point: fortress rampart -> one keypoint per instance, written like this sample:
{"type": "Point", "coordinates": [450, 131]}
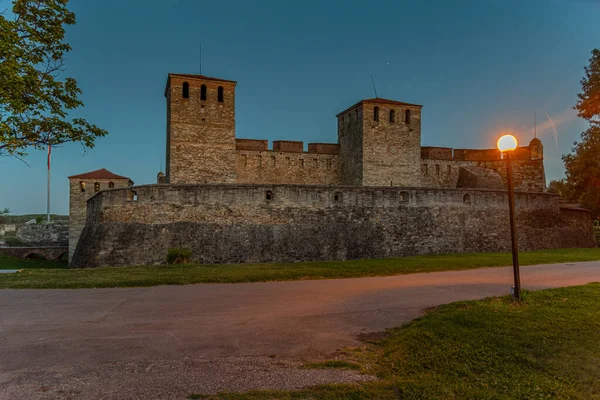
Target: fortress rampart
{"type": "Point", "coordinates": [223, 223]}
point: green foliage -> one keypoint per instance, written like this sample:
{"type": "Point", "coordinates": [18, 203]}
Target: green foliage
{"type": "Point", "coordinates": [237, 273]}
{"type": "Point", "coordinates": [12, 241]}
{"type": "Point", "coordinates": [35, 97]}
{"type": "Point", "coordinates": [8, 262]}
{"type": "Point", "coordinates": [3, 214]}
{"type": "Point", "coordinates": [546, 348]}
{"type": "Point", "coordinates": [583, 170]}
{"type": "Point", "coordinates": [178, 256]}
{"type": "Point", "coordinates": [588, 106]}
{"type": "Point", "coordinates": [560, 188]}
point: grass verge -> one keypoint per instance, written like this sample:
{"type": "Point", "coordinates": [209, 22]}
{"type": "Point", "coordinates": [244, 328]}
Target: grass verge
{"type": "Point", "coordinates": [546, 347]}
{"type": "Point", "coordinates": [8, 262]}
{"type": "Point", "coordinates": [234, 273]}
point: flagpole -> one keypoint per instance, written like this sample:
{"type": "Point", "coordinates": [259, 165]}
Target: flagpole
{"type": "Point", "coordinates": [48, 204]}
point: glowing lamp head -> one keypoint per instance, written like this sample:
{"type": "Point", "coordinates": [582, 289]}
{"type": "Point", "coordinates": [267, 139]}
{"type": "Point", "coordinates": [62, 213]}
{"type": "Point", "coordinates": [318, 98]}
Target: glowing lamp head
{"type": "Point", "coordinates": [507, 143]}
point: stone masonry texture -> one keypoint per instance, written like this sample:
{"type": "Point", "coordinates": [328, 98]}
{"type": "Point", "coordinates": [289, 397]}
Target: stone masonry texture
{"type": "Point", "coordinates": [376, 192]}
{"type": "Point", "coordinates": [262, 223]}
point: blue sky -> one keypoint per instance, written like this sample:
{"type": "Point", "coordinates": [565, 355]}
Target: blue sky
{"type": "Point", "coordinates": [479, 67]}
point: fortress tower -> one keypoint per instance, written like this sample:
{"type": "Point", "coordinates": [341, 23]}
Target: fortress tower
{"type": "Point", "coordinates": [81, 188]}
{"type": "Point", "coordinates": [380, 144]}
{"type": "Point", "coordinates": [200, 129]}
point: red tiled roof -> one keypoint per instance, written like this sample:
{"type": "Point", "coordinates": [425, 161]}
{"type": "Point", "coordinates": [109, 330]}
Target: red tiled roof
{"type": "Point", "coordinates": [98, 174]}
{"type": "Point", "coordinates": [379, 100]}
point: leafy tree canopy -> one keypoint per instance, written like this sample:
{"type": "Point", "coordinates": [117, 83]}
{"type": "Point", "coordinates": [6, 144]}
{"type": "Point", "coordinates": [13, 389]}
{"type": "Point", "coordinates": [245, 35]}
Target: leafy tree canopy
{"type": "Point", "coordinates": [588, 106]}
{"type": "Point", "coordinates": [583, 170]}
{"type": "Point", "coordinates": [35, 97]}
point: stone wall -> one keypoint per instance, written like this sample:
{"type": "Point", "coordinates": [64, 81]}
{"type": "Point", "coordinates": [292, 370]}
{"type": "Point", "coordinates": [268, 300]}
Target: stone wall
{"type": "Point", "coordinates": [200, 133]}
{"type": "Point", "coordinates": [260, 223]}
{"type": "Point", "coordinates": [78, 197]}
{"type": "Point", "coordinates": [391, 150]}
{"type": "Point", "coordinates": [44, 234]}
{"type": "Point", "coordinates": [440, 166]}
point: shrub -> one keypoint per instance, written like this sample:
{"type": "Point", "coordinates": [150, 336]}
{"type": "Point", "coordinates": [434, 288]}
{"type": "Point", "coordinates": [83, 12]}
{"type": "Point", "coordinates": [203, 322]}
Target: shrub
{"type": "Point", "coordinates": [178, 256]}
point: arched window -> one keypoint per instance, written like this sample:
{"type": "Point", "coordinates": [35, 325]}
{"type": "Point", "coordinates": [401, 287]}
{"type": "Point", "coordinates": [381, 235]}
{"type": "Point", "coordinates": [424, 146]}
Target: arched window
{"type": "Point", "coordinates": [220, 94]}
{"type": "Point", "coordinates": [96, 186]}
{"type": "Point", "coordinates": [186, 90]}
{"type": "Point", "coordinates": [392, 116]}
{"type": "Point", "coordinates": [82, 187]}
{"type": "Point", "coordinates": [407, 117]}
{"type": "Point", "coordinates": [203, 92]}
{"type": "Point", "coordinates": [269, 195]}
{"type": "Point", "coordinates": [337, 196]}
{"type": "Point", "coordinates": [376, 114]}
{"type": "Point", "coordinates": [111, 185]}
{"type": "Point", "coordinates": [467, 198]}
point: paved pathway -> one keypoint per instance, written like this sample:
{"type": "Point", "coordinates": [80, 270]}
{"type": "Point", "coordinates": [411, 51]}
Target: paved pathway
{"type": "Point", "coordinates": [169, 341]}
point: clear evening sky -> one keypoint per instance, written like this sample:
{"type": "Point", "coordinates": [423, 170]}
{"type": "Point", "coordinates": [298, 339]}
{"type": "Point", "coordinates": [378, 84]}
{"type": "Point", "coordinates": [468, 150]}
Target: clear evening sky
{"type": "Point", "coordinates": [479, 67]}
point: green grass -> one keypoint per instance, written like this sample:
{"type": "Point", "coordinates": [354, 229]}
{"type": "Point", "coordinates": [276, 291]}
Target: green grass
{"type": "Point", "coordinates": [8, 262]}
{"type": "Point", "coordinates": [334, 364]}
{"type": "Point", "coordinates": [547, 347]}
{"type": "Point", "coordinates": [235, 273]}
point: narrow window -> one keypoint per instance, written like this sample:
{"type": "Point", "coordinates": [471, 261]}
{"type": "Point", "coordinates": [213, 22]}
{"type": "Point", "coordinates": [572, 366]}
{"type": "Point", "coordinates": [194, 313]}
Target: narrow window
{"type": "Point", "coordinates": [111, 185]}
{"type": "Point", "coordinates": [329, 163]}
{"type": "Point", "coordinates": [269, 195]}
{"type": "Point", "coordinates": [203, 92]}
{"type": "Point", "coordinates": [337, 196]}
{"type": "Point", "coordinates": [301, 163]}
{"type": "Point", "coordinates": [403, 197]}
{"type": "Point", "coordinates": [96, 186]}
{"type": "Point", "coordinates": [392, 116]}
{"type": "Point", "coordinates": [467, 198]}
{"type": "Point", "coordinates": [273, 161]}
{"type": "Point", "coordinates": [186, 90]}
{"type": "Point", "coordinates": [315, 163]}
{"type": "Point", "coordinates": [356, 112]}
{"type": "Point", "coordinates": [220, 94]}
{"type": "Point", "coordinates": [245, 160]}
{"type": "Point", "coordinates": [82, 187]}
{"type": "Point", "coordinates": [289, 161]}
{"type": "Point", "coordinates": [349, 119]}
{"type": "Point", "coordinates": [437, 170]}
{"type": "Point", "coordinates": [260, 161]}
{"type": "Point", "coordinates": [376, 114]}
{"type": "Point", "coordinates": [407, 117]}
{"type": "Point", "coordinates": [425, 169]}
{"type": "Point", "coordinates": [449, 170]}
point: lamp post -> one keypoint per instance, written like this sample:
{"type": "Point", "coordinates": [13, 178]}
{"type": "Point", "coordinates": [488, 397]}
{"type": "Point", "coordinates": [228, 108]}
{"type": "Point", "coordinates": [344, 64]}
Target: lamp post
{"type": "Point", "coordinates": [507, 144]}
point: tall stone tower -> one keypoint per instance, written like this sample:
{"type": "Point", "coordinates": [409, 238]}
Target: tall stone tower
{"type": "Point", "coordinates": [200, 129]}
{"type": "Point", "coordinates": [81, 188]}
{"type": "Point", "coordinates": [380, 144]}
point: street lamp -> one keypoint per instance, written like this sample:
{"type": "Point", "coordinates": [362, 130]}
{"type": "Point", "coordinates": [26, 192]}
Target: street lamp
{"type": "Point", "coordinates": [507, 144]}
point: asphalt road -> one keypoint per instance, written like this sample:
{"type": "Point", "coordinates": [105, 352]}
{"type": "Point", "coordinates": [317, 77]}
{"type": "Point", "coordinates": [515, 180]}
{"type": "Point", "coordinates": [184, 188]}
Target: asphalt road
{"type": "Point", "coordinates": [170, 341]}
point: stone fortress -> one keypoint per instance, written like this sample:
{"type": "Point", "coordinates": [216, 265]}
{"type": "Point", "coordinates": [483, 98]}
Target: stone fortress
{"type": "Point", "coordinates": [374, 193]}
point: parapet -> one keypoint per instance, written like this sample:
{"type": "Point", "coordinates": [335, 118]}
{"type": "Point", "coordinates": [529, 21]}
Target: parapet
{"type": "Point", "coordinates": [324, 148]}
{"type": "Point", "coordinates": [251, 144]}
{"type": "Point", "coordinates": [289, 146]}
{"type": "Point", "coordinates": [437, 153]}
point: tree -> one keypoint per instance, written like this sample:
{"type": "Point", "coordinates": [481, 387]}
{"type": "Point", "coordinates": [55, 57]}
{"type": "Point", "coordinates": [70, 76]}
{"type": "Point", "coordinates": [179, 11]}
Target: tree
{"type": "Point", "coordinates": [3, 213]}
{"type": "Point", "coordinates": [583, 170]}
{"type": "Point", "coordinates": [560, 188]}
{"type": "Point", "coordinates": [35, 97]}
{"type": "Point", "coordinates": [588, 106]}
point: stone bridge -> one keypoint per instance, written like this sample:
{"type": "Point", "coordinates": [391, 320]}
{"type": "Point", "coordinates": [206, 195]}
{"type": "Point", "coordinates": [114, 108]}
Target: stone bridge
{"type": "Point", "coordinates": [49, 252]}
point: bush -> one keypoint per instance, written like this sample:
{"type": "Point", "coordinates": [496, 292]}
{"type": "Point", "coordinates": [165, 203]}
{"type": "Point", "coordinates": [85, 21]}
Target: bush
{"type": "Point", "coordinates": [178, 256]}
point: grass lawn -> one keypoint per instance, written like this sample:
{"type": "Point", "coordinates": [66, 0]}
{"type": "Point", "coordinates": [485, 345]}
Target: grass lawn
{"type": "Point", "coordinates": [8, 262]}
{"type": "Point", "coordinates": [545, 348]}
{"type": "Point", "coordinates": [234, 273]}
